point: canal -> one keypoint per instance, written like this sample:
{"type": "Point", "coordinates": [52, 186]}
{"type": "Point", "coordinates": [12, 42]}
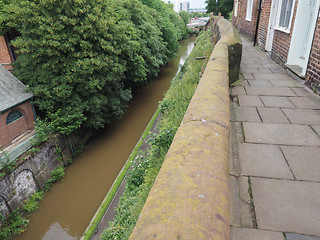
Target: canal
{"type": "Point", "coordinates": [68, 208]}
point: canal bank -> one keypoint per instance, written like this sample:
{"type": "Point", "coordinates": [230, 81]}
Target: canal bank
{"type": "Point", "coordinates": [66, 210]}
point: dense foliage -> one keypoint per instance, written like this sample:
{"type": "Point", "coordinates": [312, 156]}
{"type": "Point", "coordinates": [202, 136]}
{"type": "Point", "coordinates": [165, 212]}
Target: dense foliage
{"type": "Point", "coordinates": [82, 58]}
{"type": "Point", "coordinates": [146, 166]}
{"type": "Point", "coordinates": [224, 7]}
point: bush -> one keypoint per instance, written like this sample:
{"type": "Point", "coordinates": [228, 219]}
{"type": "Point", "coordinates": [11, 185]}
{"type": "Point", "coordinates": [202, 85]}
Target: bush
{"type": "Point", "coordinates": [12, 226]}
{"type": "Point", "coordinates": [32, 203]}
{"type": "Point", "coordinates": [56, 175]}
{"type": "Point", "coordinates": [146, 167]}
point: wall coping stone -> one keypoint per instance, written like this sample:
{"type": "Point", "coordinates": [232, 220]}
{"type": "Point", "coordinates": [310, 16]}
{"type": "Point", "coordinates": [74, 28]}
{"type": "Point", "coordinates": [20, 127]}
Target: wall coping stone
{"type": "Point", "coordinates": [190, 197]}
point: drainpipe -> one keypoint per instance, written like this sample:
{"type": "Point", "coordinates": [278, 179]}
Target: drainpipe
{"type": "Point", "coordinates": [257, 26]}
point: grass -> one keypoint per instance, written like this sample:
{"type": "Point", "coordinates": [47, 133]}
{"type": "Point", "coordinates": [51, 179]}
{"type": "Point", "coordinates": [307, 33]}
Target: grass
{"type": "Point", "coordinates": [145, 168]}
{"type": "Point", "coordinates": [114, 188]}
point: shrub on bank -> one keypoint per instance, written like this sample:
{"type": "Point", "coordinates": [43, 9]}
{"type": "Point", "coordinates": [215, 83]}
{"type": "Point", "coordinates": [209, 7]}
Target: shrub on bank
{"type": "Point", "coordinates": [146, 166]}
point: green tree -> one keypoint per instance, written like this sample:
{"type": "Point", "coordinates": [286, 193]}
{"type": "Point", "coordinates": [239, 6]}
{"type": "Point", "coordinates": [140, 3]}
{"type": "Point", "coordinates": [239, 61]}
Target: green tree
{"type": "Point", "coordinates": [81, 58]}
{"type": "Point", "coordinates": [224, 6]}
{"type": "Point", "coordinates": [185, 16]}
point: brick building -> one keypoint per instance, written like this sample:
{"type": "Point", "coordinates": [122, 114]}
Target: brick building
{"type": "Point", "coordinates": [6, 58]}
{"type": "Point", "coordinates": [288, 29]}
{"type": "Point", "coordinates": [16, 113]}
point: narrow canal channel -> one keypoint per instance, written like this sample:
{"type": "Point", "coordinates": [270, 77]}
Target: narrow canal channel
{"type": "Point", "coordinates": [68, 208]}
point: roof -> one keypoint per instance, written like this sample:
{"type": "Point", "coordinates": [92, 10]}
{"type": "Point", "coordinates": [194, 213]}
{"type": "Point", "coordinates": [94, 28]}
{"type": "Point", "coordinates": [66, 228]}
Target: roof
{"type": "Point", "coordinates": [12, 91]}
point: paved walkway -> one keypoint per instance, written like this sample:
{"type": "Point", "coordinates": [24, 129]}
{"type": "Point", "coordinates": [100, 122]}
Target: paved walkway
{"type": "Point", "coordinates": [275, 157]}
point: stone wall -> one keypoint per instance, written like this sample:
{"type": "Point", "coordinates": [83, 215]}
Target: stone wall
{"type": "Point", "coordinates": [31, 174]}
{"type": "Point", "coordinates": [190, 197]}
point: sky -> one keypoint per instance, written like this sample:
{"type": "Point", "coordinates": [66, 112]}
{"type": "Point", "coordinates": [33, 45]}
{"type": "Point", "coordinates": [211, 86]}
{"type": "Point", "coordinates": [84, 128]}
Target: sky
{"type": "Point", "coordinates": [197, 3]}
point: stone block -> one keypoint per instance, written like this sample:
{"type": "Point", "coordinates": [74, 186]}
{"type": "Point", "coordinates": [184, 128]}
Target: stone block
{"type": "Point", "coordinates": [272, 115]}
{"type": "Point", "coordinates": [276, 102]}
{"type": "Point", "coordinates": [284, 134]}
{"type": "Point", "coordinates": [287, 206]}
{"type": "Point", "coordinates": [288, 83]}
{"type": "Point", "coordinates": [254, 234]}
{"type": "Point", "coordinates": [303, 116]}
{"type": "Point", "coordinates": [250, 101]}
{"type": "Point", "coordinates": [238, 90]}
{"type": "Point", "coordinates": [271, 76]}
{"type": "Point", "coordinates": [263, 161]}
{"type": "Point", "coordinates": [293, 236]}
{"type": "Point", "coordinates": [306, 102]}
{"type": "Point", "coordinates": [270, 91]}
{"type": "Point", "coordinates": [246, 114]}
{"type": "Point", "coordinates": [303, 161]}
{"type": "Point", "coordinates": [301, 92]}
{"type": "Point", "coordinates": [248, 76]}
{"type": "Point", "coordinates": [316, 129]}
{"type": "Point", "coordinates": [259, 83]}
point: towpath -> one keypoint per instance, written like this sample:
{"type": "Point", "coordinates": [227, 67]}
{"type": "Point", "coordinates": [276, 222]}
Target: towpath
{"type": "Point", "coordinates": [275, 154]}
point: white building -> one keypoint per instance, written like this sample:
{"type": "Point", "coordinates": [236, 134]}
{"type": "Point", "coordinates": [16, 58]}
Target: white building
{"type": "Point", "coordinates": [184, 6]}
{"type": "Point", "coordinates": [179, 5]}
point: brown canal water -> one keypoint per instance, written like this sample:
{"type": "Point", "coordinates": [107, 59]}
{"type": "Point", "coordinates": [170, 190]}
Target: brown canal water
{"type": "Point", "coordinates": [67, 209]}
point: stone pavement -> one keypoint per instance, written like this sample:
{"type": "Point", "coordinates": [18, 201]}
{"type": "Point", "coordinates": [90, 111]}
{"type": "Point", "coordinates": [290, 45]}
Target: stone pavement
{"type": "Point", "coordinates": [275, 154]}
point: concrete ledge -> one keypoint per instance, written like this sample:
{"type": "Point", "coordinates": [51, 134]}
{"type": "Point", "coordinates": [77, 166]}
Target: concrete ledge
{"type": "Point", "coordinates": [190, 197]}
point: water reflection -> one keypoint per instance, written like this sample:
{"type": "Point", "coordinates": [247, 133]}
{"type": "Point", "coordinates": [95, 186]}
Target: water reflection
{"type": "Point", "coordinates": [56, 230]}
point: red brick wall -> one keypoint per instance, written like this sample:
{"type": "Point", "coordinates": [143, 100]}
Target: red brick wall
{"type": "Point", "coordinates": [4, 53]}
{"type": "Point", "coordinates": [313, 69]}
{"type": "Point", "coordinates": [247, 28]}
{"type": "Point", "coordinates": [264, 22]}
{"type": "Point", "coordinates": [11, 131]}
{"type": "Point", "coordinates": [281, 42]}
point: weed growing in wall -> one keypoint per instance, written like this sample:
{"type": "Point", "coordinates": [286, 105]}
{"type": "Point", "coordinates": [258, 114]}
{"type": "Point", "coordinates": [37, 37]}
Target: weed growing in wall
{"type": "Point", "coordinates": [15, 223]}
{"type": "Point", "coordinates": [145, 167]}
{"type": "Point", "coordinates": [12, 226]}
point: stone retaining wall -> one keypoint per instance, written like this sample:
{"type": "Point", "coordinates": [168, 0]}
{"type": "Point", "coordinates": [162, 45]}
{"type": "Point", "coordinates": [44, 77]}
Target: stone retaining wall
{"type": "Point", "coordinates": [190, 197]}
{"type": "Point", "coordinates": [33, 171]}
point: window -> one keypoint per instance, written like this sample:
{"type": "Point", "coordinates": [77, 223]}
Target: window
{"type": "Point", "coordinates": [249, 10]}
{"type": "Point", "coordinates": [284, 15]}
{"type": "Point", "coordinates": [235, 8]}
{"type": "Point", "coordinates": [13, 116]}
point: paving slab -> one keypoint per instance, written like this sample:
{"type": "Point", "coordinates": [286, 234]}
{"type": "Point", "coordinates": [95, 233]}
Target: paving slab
{"type": "Point", "coordinates": [235, 203]}
{"type": "Point", "coordinates": [254, 234]}
{"type": "Point", "coordinates": [270, 91]}
{"type": "Point", "coordinates": [250, 101]}
{"type": "Point", "coordinates": [263, 161]}
{"type": "Point", "coordinates": [316, 129]}
{"type": "Point", "coordinates": [303, 116]}
{"type": "Point", "coordinates": [312, 102]}
{"type": "Point", "coordinates": [293, 236]}
{"type": "Point", "coordinates": [301, 92]}
{"type": "Point", "coordinates": [248, 76]}
{"type": "Point", "coordinates": [287, 83]}
{"type": "Point", "coordinates": [238, 90]}
{"type": "Point", "coordinates": [304, 162]}
{"type": "Point", "coordinates": [246, 114]}
{"type": "Point", "coordinates": [276, 69]}
{"type": "Point", "coordinates": [264, 70]}
{"type": "Point", "coordinates": [259, 83]}
{"type": "Point", "coordinates": [287, 206]}
{"type": "Point", "coordinates": [272, 101]}
{"type": "Point", "coordinates": [285, 134]}
{"type": "Point", "coordinates": [249, 69]}
{"type": "Point", "coordinates": [271, 76]}
{"type": "Point", "coordinates": [272, 115]}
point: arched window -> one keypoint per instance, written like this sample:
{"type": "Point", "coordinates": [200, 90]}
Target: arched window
{"type": "Point", "coordinates": [13, 116]}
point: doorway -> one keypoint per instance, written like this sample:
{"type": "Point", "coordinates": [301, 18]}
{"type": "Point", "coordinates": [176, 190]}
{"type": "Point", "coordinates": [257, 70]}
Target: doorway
{"type": "Point", "coordinates": [271, 25]}
{"type": "Point", "coordinates": [302, 36]}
